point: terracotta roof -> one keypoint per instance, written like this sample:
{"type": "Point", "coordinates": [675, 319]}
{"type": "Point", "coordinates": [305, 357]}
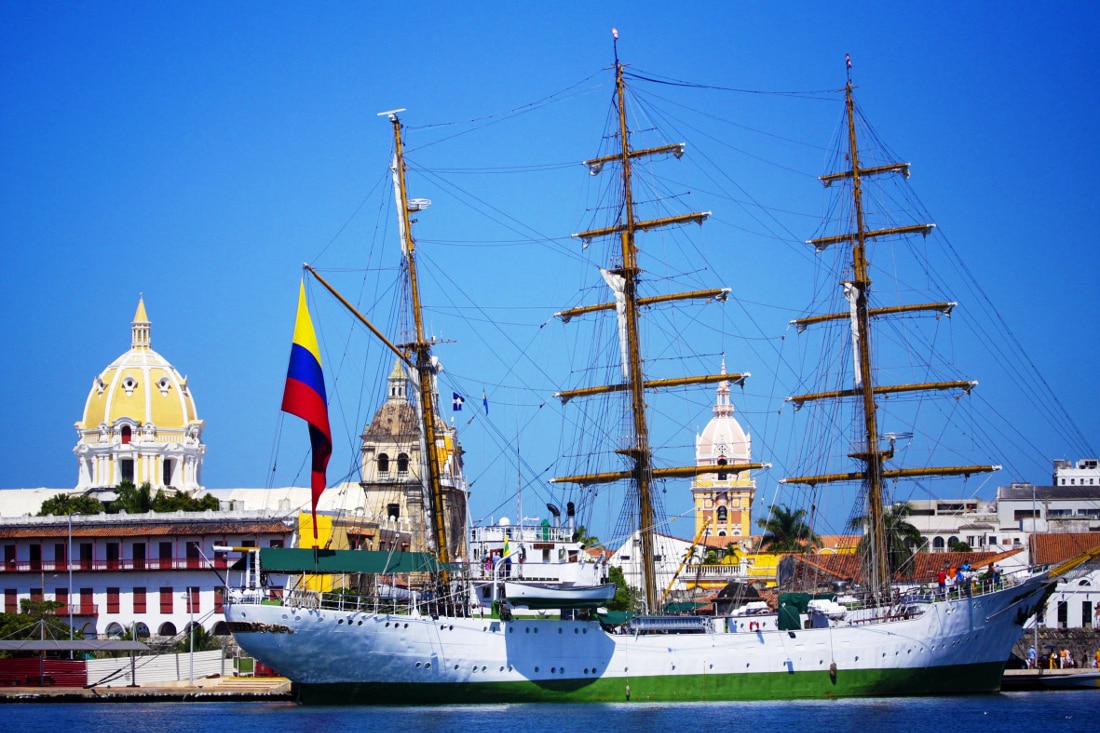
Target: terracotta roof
{"type": "Point", "coordinates": [926, 565]}
{"type": "Point", "coordinates": [817, 570]}
{"type": "Point", "coordinates": [1050, 548]}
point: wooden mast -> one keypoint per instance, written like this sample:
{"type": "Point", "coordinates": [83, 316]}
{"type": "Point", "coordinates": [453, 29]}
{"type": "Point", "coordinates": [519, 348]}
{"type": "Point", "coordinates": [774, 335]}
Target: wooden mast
{"type": "Point", "coordinates": [642, 472]}
{"type": "Point", "coordinates": [860, 313]}
{"type": "Point", "coordinates": [421, 349]}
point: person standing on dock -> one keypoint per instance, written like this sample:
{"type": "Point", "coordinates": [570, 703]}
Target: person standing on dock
{"type": "Point", "coordinates": [1031, 657]}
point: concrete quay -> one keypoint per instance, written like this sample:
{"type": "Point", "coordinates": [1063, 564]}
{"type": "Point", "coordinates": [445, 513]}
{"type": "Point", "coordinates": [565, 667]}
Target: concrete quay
{"type": "Point", "coordinates": [216, 689]}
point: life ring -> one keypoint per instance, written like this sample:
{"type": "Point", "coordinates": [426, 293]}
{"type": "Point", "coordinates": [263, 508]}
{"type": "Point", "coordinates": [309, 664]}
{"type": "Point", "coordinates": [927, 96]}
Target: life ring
{"type": "Point", "coordinates": [754, 626]}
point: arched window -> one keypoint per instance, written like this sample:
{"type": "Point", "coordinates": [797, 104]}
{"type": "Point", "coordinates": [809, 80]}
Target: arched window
{"type": "Point", "coordinates": [141, 631]}
{"type": "Point", "coordinates": [167, 629]}
{"type": "Point", "coordinates": [402, 464]}
{"type": "Point", "coordinates": [937, 544]}
{"type": "Point", "coordinates": [723, 515]}
{"type": "Point", "coordinates": [383, 463]}
{"type": "Point", "coordinates": [126, 434]}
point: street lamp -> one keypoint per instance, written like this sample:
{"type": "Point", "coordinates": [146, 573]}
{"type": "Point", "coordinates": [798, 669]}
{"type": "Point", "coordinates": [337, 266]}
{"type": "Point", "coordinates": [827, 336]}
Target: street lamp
{"type": "Point", "coordinates": [70, 564]}
{"type": "Point", "coordinates": [191, 633]}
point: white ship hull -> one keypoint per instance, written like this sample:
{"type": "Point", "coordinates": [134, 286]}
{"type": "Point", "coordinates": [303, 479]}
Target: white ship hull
{"type": "Point", "coordinates": [951, 646]}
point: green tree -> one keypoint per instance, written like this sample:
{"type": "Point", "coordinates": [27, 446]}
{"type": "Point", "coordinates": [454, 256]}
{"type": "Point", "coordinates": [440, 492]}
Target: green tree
{"type": "Point", "coordinates": [66, 504]}
{"type": "Point", "coordinates": [957, 546]}
{"type": "Point", "coordinates": [581, 535]}
{"type": "Point", "coordinates": [625, 598]}
{"type": "Point", "coordinates": [27, 624]}
{"type": "Point", "coordinates": [787, 531]}
{"type": "Point", "coordinates": [204, 640]}
{"type": "Point", "coordinates": [131, 499]}
{"type": "Point", "coordinates": [179, 501]}
{"type": "Point", "coordinates": [902, 538]}
{"type": "Point", "coordinates": [134, 500]}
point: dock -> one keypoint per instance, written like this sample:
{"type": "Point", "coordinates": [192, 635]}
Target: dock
{"type": "Point", "coordinates": [217, 689]}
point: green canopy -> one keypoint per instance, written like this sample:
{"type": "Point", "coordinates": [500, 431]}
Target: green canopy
{"type": "Point", "coordinates": [374, 562]}
{"type": "Point", "coordinates": [615, 618]}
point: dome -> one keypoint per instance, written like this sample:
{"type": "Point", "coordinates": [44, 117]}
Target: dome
{"type": "Point", "coordinates": [139, 387]}
{"type": "Point", "coordinates": [396, 420]}
{"type": "Point", "coordinates": [723, 437]}
{"type": "Point", "coordinates": [139, 421]}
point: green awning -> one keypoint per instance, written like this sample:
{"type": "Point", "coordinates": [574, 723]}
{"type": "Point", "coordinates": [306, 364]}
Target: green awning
{"type": "Point", "coordinates": [615, 618]}
{"type": "Point", "coordinates": [374, 562]}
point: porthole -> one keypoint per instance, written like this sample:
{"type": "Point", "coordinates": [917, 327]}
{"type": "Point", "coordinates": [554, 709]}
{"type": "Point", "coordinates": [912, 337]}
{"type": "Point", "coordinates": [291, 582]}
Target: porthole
{"type": "Point", "coordinates": [406, 624]}
{"type": "Point", "coordinates": [553, 670]}
{"type": "Point", "coordinates": [339, 622]}
{"type": "Point", "coordinates": [387, 624]}
{"type": "Point", "coordinates": [456, 666]}
{"type": "Point", "coordinates": [536, 669]}
{"type": "Point", "coordinates": [449, 628]}
{"type": "Point", "coordinates": [418, 665]}
{"type": "Point", "coordinates": [560, 631]}
{"type": "Point", "coordinates": [427, 665]}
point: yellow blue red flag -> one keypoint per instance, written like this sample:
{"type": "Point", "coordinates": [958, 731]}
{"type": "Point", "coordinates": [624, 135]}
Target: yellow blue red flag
{"type": "Point", "coordinates": [304, 396]}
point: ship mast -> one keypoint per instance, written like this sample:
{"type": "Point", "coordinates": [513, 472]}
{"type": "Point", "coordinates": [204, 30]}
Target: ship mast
{"type": "Point", "coordinates": [624, 282]}
{"type": "Point", "coordinates": [869, 451]}
{"type": "Point", "coordinates": [421, 349]}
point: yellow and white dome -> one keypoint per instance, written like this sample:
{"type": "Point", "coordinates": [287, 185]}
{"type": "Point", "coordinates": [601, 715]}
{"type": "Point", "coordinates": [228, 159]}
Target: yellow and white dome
{"type": "Point", "coordinates": [140, 422]}
{"type": "Point", "coordinates": [723, 500]}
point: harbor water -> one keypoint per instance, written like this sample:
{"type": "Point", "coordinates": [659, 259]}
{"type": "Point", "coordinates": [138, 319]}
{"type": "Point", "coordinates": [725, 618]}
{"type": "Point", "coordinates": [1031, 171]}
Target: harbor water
{"type": "Point", "coordinates": [1047, 711]}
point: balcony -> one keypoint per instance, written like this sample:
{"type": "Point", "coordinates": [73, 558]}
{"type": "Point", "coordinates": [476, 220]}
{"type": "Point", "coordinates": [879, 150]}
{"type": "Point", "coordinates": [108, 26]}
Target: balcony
{"type": "Point", "coordinates": [173, 563]}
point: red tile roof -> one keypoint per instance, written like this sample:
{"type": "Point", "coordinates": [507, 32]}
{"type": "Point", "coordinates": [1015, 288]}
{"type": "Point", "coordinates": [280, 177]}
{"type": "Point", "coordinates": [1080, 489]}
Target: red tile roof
{"type": "Point", "coordinates": [1051, 548]}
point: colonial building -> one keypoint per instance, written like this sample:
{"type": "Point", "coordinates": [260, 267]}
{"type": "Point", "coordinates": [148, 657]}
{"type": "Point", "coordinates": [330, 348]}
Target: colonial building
{"type": "Point", "coordinates": [157, 573]}
{"type": "Point", "coordinates": [139, 422]}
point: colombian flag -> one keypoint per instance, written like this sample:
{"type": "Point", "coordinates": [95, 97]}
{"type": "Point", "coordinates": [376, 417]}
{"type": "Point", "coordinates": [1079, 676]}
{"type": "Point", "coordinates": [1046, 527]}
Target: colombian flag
{"type": "Point", "coordinates": [304, 396]}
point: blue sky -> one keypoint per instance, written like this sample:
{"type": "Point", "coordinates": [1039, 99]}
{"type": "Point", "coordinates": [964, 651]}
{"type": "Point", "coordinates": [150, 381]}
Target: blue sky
{"type": "Point", "coordinates": [200, 152]}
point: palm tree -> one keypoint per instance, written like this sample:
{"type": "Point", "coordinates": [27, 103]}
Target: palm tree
{"type": "Point", "coordinates": [787, 531]}
{"type": "Point", "coordinates": [902, 538]}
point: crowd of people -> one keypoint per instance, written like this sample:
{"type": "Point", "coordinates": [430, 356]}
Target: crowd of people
{"type": "Point", "coordinates": [1060, 659]}
{"type": "Point", "coordinates": [964, 578]}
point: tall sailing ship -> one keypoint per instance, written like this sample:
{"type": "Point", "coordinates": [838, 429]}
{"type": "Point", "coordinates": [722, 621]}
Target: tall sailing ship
{"type": "Point", "coordinates": [486, 628]}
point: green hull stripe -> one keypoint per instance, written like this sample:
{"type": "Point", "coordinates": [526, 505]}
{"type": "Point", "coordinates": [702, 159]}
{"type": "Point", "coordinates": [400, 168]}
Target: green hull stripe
{"type": "Point", "coordinates": [967, 678]}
